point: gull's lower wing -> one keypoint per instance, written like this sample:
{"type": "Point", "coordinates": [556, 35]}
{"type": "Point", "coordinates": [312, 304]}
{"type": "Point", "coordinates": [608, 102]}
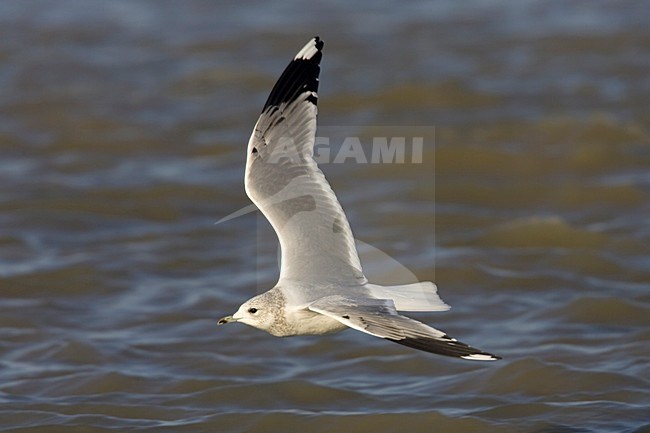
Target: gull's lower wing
{"type": "Point", "coordinates": [378, 317]}
{"type": "Point", "coordinates": [284, 182]}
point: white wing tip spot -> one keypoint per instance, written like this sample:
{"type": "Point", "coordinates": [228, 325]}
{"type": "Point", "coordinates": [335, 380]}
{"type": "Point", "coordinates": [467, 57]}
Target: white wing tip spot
{"type": "Point", "coordinates": [309, 50]}
{"type": "Point", "coordinates": [479, 357]}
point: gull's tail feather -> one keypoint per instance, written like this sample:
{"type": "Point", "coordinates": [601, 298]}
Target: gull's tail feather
{"type": "Point", "coordinates": [422, 296]}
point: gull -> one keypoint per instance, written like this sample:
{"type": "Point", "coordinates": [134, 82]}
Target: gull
{"type": "Point", "coordinates": [321, 288]}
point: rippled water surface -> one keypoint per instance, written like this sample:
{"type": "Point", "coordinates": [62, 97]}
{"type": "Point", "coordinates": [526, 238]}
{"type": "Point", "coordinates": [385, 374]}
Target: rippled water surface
{"type": "Point", "coordinates": [123, 127]}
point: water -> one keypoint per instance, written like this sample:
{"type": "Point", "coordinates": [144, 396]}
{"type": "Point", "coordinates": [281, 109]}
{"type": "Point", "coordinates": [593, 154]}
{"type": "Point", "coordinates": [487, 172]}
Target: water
{"type": "Point", "coordinates": [122, 135]}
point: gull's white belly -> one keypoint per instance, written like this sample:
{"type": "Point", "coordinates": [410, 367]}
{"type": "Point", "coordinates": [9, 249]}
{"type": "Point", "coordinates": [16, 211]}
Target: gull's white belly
{"type": "Point", "coordinates": [306, 322]}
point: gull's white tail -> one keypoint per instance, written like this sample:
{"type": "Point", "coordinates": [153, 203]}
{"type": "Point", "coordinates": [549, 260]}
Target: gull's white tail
{"type": "Point", "coordinates": [422, 296]}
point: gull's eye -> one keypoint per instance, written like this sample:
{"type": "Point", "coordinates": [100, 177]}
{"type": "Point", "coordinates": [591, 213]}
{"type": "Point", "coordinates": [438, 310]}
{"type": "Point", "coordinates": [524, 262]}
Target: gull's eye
{"type": "Point", "coordinates": [252, 310]}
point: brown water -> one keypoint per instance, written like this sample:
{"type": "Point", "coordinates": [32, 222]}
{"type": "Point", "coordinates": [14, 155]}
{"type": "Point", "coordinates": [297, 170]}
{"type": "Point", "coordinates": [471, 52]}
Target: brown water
{"type": "Point", "coordinates": [123, 126]}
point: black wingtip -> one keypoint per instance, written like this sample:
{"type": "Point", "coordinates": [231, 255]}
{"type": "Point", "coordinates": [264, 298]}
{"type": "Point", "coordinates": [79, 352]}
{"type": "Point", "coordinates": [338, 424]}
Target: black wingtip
{"type": "Point", "coordinates": [300, 77]}
{"type": "Point", "coordinates": [448, 347]}
{"type": "Point", "coordinates": [319, 43]}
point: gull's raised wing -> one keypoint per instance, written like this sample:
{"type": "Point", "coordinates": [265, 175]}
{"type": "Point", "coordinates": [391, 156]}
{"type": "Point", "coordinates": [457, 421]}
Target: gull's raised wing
{"type": "Point", "coordinates": [378, 317]}
{"type": "Point", "coordinates": [285, 183]}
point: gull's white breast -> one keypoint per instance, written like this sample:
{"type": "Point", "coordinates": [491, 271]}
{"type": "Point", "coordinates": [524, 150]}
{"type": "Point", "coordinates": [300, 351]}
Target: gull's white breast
{"type": "Point", "coordinates": [306, 322]}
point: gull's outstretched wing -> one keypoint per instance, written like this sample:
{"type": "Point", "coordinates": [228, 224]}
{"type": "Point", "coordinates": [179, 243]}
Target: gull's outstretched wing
{"type": "Point", "coordinates": [378, 317]}
{"type": "Point", "coordinates": [285, 183]}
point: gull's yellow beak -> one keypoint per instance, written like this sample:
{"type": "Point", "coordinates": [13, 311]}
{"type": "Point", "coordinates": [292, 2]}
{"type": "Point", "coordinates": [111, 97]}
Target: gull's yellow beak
{"type": "Point", "coordinates": [226, 319]}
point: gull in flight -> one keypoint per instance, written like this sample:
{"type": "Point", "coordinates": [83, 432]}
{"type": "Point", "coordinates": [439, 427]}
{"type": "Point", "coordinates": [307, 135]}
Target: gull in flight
{"type": "Point", "coordinates": [322, 287]}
